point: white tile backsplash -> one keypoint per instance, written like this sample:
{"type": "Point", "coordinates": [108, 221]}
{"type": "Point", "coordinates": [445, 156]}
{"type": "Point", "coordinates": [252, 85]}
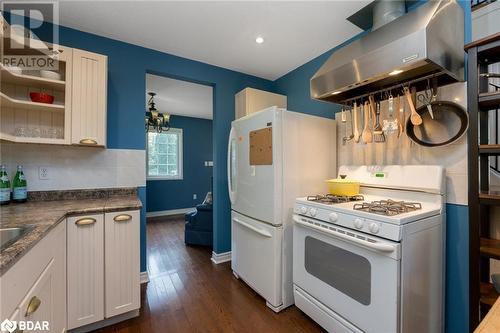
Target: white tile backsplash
{"type": "Point", "coordinates": [403, 151]}
{"type": "Point", "coordinates": [73, 167]}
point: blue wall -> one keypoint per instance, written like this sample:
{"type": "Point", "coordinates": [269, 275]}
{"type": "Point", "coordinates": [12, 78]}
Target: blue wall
{"type": "Point", "coordinates": [197, 148]}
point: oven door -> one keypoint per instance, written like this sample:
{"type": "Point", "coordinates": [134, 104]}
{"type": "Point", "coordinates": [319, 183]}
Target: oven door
{"type": "Point", "coordinates": [354, 274]}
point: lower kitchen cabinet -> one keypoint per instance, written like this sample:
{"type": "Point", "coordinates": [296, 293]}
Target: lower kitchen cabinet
{"type": "Point", "coordinates": [122, 271]}
{"type": "Point", "coordinates": [85, 269]}
{"type": "Point", "coordinates": [37, 284]}
{"type": "Point", "coordinates": [38, 305]}
{"type": "Point", "coordinates": [103, 266]}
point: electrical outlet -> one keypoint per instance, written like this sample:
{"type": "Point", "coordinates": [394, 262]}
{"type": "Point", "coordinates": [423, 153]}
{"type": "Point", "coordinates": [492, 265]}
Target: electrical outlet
{"type": "Point", "coordinates": [195, 196]}
{"type": "Point", "coordinates": [43, 173]}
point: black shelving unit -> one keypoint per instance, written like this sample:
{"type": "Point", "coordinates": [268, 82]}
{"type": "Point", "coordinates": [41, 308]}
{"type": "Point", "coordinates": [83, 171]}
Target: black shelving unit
{"type": "Point", "coordinates": [482, 248]}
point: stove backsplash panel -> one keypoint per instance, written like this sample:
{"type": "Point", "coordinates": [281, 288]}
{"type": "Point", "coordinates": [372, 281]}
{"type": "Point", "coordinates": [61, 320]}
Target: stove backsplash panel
{"type": "Point", "coordinates": [403, 151]}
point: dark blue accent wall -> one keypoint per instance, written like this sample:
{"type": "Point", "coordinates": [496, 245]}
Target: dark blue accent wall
{"type": "Point", "coordinates": [295, 85]}
{"type": "Point", "coordinates": [197, 148]}
{"type": "Point", "coordinates": [457, 268]}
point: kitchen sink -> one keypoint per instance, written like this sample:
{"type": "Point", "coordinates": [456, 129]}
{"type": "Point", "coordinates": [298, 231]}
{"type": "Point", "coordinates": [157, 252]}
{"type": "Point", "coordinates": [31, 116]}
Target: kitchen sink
{"type": "Point", "coordinates": [10, 235]}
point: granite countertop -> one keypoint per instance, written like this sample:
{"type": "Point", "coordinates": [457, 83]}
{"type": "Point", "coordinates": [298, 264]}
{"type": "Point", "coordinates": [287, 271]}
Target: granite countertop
{"type": "Point", "coordinates": [41, 216]}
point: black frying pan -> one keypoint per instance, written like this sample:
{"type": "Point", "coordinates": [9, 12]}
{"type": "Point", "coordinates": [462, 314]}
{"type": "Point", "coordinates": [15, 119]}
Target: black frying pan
{"type": "Point", "coordinates": [449, 124]}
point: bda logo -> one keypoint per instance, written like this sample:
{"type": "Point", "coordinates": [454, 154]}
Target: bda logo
{"type": "Point", "coordinates": [8, 326]}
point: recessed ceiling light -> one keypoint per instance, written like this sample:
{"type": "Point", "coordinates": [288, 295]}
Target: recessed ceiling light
{"type": "Point", "coordinates": [259, 40]}
{"type": "Point", "coordinates": [396, 72]}
{"type": "Point", "coordinates": [335, 93]}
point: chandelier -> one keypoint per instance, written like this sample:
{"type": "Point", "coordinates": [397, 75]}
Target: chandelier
{"type": "Point", "coordinates": [154, 119]}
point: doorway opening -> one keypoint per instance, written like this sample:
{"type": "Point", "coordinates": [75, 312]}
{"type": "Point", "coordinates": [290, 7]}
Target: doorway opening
{"type": "Point", "coordinates": [179, 166]}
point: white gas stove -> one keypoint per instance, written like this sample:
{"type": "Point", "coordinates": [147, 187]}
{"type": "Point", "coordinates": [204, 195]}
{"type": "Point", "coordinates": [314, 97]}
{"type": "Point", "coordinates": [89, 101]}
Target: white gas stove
{"type": "Point", "coordinates": [374, 262]}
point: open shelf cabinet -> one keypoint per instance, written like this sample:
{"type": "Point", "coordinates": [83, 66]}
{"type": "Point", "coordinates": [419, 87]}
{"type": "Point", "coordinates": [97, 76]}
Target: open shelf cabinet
{"type": "Point", "coordinates": [25, 121]}
{"type": "Point", "coordinates": [483, 97]}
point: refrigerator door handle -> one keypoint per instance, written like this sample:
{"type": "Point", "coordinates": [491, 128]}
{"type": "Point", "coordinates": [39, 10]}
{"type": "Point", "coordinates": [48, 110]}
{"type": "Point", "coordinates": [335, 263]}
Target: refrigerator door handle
{"type": "Point", "coordinates": [254, 229]}
{"type": "Point", "coordinates": [230, 167]}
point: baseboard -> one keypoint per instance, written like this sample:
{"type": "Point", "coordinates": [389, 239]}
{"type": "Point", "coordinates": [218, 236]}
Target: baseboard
{"type": "Point", "coordinates": [106, 322]}
{"type": "Point", "coordinates": [219, 258]}
{"type": "Point", "coordinates": [144, 277]}
{"type": "Point", "coordinates": [170, 212]}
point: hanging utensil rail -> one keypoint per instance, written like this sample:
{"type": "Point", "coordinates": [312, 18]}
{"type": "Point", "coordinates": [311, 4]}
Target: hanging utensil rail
{"type": "Point", "coordinates": [391, 88]}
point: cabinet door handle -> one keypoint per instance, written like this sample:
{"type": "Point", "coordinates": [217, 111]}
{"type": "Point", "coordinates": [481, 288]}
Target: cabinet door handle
{"type": "Point", "coordinates": [122, 218]}
{"type": "Point", "coordinates": [85, 221]}
{"type": "Point", "coordinates": [88, 142]}
{"type": "Point", "coordinates": [33, 305]}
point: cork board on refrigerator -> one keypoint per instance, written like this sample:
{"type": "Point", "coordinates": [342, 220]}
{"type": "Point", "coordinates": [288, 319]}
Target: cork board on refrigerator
{"type": "Point", "coordinates": [261, 146]}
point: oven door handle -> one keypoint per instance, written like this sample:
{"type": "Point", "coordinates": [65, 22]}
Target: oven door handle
{"type": "Point", "coordinates": [374, 246]}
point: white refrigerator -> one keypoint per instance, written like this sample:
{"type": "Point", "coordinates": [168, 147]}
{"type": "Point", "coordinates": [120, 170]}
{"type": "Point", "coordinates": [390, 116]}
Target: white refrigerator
{"type": "Point", "coordinates": [274, 156]}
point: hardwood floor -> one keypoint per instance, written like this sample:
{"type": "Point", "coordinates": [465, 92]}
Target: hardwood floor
{"type": "Point", "coordinates": [188, 293]}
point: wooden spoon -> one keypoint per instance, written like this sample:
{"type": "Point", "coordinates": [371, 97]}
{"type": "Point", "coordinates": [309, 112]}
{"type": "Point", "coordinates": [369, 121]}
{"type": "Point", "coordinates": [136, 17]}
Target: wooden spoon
{"type": "Point", "coordinates": [355, 121]}
{"type": "Point", "coordinates": [367, 134]}
{"type": "Point", "coordinates": [373, 109]}
{"type": "Point", "coordinates": [399, 108]}
{"type": "Point", "coordinates": [415, 118]}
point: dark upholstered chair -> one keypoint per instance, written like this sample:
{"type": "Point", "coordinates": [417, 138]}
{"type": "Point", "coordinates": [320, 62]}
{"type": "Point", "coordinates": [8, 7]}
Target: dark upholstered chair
{"type": "Point", "coordinates": [199, 226]}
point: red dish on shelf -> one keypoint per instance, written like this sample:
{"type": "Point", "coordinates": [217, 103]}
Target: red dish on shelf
{"type": "Point", "coordinates": [41, 98]}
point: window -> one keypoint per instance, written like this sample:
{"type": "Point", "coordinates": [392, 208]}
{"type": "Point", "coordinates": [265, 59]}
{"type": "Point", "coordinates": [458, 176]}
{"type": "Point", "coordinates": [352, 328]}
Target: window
{"type": "Point", "coordinates": [164, 154]}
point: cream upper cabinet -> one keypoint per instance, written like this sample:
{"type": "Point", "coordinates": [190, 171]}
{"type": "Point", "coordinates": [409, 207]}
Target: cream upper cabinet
{"type": "Point", "coordinates": [251, 100]}
{"type": "Point", "coordinates": [89, 98]}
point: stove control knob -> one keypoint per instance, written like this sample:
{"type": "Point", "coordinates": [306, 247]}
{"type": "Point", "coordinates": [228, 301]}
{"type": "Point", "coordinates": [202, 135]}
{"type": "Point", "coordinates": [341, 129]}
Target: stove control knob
{"type": "Point", "coordinates": [312, 212]}
{"type": "Point", "coordinates": [333, 217]}
{"type": "Point", "coordinates": [303, 210]}
{"type": "Point", "coordinates": [358, 223]}
{"type": "Point", "coordinates": [374, 228]}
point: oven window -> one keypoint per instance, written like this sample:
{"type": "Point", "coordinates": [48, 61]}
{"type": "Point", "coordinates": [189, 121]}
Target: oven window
{"type": "Point", "coordinates": [345, 271]}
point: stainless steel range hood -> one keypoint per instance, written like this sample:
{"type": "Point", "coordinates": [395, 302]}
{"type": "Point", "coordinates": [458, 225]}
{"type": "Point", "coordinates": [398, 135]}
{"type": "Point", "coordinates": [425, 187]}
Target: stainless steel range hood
{"type": "Point", "coordinates": [426, 41]}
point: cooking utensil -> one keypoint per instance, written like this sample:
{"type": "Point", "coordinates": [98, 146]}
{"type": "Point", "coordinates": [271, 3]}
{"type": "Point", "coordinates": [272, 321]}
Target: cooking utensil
{"type": "Point", "coordinates": [391, 123]}
{"type": "Point", "coordinates": [367, 135]}
{"type": "Point", "coordinates": [372, 107]}
{"type": "Point", "coordinates": [355, 121]}
{"type": "Point", "coordinates": [449, 124]}
{"type": "Point", "coordinates": [415, 118]}
{"type": "Point", "coordinates": [41, 98]}
{"type": "Point", "coordinates": [343, 187]}
{"type": "Point", "coordinates": [378, 133]}
{"type": "Point", "coordinates": [344, 121]}
{"type": "Point", "coordinates": [426, 97]}
{"type": "Point", "coordinates": [401, 115]}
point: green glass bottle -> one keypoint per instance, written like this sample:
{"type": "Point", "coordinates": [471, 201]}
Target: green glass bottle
{"type": "Point", "coordinates": [19, 186]}
{"type": "Point", "coordinates": [4, 186]}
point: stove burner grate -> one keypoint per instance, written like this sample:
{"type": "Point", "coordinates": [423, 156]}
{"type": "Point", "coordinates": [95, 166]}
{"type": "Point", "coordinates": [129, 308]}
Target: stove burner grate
{"type": "Point", "coordinates": [388, 207]}
{"type": "Point", "coordinates": [330, 199]}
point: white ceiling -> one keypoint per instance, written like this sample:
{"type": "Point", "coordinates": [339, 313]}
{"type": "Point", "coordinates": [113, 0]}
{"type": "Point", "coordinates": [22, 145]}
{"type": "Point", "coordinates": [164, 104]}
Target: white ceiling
{"type": "Point", "coordinates": [222, 33]}
{"type": "Point", "coordinates": [180, 97]}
